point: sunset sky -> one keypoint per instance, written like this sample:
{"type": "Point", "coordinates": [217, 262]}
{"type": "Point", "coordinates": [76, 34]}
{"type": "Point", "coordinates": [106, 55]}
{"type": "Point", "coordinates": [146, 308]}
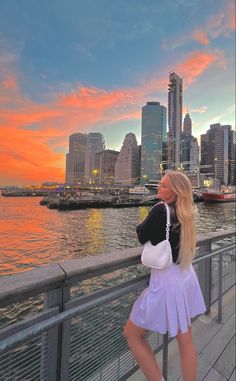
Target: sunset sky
{"type": "Point", "coordinates": [89, 66]}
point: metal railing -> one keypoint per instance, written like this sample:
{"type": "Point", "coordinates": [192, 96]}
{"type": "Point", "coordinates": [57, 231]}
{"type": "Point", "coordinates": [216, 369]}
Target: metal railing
{"type": "Point", "coordinates": [77, 332]}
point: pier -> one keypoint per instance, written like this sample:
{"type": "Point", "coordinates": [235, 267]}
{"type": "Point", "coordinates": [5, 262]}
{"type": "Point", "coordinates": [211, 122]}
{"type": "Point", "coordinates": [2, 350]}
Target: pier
{"type": "Point", "coordinates": [69, 317]}
{"type": "Point", "coordinates": [73, 202]}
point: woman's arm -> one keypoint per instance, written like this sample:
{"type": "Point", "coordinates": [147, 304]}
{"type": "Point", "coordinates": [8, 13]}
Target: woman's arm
{"type": "Point", "coordinates": [153, 227]}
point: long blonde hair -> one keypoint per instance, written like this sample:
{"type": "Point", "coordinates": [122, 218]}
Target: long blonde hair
{"type": "Point", "coordinates": [182, 188]}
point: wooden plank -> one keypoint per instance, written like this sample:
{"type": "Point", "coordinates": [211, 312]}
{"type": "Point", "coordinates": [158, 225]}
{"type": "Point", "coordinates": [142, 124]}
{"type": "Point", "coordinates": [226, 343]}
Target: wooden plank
{"type": "Point", "coordinates": [213, 350]}
{"type": "Point", "coordinates": [233, 376]}
{"type": "Point", "coordinates": [213, 375]}
{"type": "Point", "coordinates": [226, 362]}
{"type": "Point", "coordinates": [204, 329]}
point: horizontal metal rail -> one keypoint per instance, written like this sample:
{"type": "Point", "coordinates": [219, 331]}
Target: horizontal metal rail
{"type": "Point", "coordinates": [214, 253]}
{"type": "Point", "coordinates": [97, 299]}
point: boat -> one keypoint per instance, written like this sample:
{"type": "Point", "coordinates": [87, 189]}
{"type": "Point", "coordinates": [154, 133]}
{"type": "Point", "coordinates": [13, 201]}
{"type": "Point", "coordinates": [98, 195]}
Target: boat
{"type": "Point", "coordinates": [141, 190]}
{"type": "Point", "coordinates": [152, 184]}
{"type": "Point", "coordinates": [226, 194]}
{"type": "Point", "coordinates": [197, 195]}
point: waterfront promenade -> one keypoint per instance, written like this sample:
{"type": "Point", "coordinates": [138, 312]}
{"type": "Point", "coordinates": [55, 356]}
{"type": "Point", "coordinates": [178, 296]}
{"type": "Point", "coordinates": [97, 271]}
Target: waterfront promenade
{"type": "Point", "coordinates": [69, 317]}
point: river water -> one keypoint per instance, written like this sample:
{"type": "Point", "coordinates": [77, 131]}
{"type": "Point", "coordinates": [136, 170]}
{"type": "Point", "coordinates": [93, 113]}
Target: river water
{"type": "Point", "coordinates": [32, 235]}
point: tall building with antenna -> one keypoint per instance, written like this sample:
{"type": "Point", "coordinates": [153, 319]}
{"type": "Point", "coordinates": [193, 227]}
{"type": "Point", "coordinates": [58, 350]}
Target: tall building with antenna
{"type": "Point", "coordinates": [187, 130]}
{"type": "Point", "coordinates": [189, 146]}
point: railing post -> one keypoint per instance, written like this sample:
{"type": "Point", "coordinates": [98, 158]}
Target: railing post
{"type": "Point", "coordinates": [219, 317]}
{"type": "Point", "coordinates": [209, 284]}
{"type": "Point", "coordinates": [51, 340]}
{"type": "Point", "coordinates": [65, 340]}
{"type": "Point", "coordinates": [165, 356]}
{"type": "Point", "coordinates": [205, 274]}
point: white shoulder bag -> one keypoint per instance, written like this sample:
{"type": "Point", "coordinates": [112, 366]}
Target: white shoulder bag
{"type": "Point", "coordinates": [158, 256]}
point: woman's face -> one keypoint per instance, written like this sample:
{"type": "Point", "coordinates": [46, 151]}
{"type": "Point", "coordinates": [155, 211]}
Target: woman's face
{"type": "Point", "coordinates": [165, 192]}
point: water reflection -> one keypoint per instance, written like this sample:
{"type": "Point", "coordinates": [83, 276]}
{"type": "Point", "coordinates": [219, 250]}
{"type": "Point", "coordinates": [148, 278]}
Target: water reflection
{"type": "Point", "coordinates": [215, 217]}
{"type": "Point", "coordinates": [95, 226]}
{"type": "Point", "coordinates": [32, 235]}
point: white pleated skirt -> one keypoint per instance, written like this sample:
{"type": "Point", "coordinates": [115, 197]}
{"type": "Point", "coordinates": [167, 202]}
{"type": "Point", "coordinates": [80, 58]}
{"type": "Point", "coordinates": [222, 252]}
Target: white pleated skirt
{"type": "Point", "coordinates": [172, 298]}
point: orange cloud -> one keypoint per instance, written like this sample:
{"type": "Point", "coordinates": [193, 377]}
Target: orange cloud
{"type": "Point", "coordinates": [201, 37]}
{"type": "Point", "coordinates": [220, 24]}
{"type": "Point", "coordinates": [25, 156]}
{"type": "Point", "coordinates": [10, 82]}
{"type": "Point", "coordinates": [195, 65]}
{"type": "Point", "coordinates": [232, 18]}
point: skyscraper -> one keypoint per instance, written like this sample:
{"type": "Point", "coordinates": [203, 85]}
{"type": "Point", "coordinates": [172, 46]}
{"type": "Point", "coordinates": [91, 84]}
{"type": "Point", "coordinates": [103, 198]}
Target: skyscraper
{"type": "Point", "coordinates": [232, 157]}
{"type": "Point", "coordinates": [153, 134]}
{"type": "Point", "coordinates": [205, 157]}
{"type": "Point", "coordinates": [127, 167]}
{"type": "Point", "coordinates": [68, 163]}
{"type": "Point", "coordinates": [95, 143]}
{"type": "Point", "coordinates": [189, 146]}
{"type": "Point", "coordinates": [194, 154]}
{"type": "Point", "coordinates": [75, 159]}
{"type": "Point", "coordinates": [217, 150]}
{"type": "Point", "coordinates": [105, 166]}
{"type": "Point", "coordinates": [175, 94]}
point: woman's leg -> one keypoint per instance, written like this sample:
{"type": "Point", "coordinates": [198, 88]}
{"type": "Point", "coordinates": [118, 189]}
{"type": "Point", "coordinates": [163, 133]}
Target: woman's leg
{"type": "Point", "coordinates": [188, 356]}
{"type": "Point", "coordinates": [142, 351]}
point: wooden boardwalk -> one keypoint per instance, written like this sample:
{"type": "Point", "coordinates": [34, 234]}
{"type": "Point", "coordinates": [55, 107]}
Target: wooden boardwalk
{"type": "Point", "coordinates": [215, 345]}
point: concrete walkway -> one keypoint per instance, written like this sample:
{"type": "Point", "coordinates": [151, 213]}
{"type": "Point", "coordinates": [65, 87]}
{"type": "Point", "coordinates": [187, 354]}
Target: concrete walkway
{"type": "Point", "coordinates": [215, 345]}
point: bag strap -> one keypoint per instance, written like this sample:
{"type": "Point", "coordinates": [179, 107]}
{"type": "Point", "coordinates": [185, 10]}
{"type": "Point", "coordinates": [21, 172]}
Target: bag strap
{"type": "Point", "coordinates": [167, 218]}
{"type": "Point", "coordinates": [167, 221]}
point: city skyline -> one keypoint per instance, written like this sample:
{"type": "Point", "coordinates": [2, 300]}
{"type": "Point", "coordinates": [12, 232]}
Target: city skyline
{"type": "Point", "coordinates": [91, 67]}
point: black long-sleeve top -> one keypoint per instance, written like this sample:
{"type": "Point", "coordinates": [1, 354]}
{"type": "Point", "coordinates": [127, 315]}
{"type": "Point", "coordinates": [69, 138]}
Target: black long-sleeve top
{"type": "Point", "coordinates": [153, 228]}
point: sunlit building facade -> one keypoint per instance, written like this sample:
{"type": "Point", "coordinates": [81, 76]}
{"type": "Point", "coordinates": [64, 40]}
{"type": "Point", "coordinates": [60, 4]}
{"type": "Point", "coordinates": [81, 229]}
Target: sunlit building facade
{"type": "Point", "coordinates": [218, 151]}
{"type": "Point", "coordinates": [95, 143]}
{"type": "Point", "coordinates": [105, 161]}
{"type": "Point", "coordinates": [152, 139]}
{"type": "Point", "coordinates": [68, 168]}
{"type": "Point", "coordinates": [189, 147]}
{"type": "Point", "coordinates": [75, 159]}
{"type": "Point", "coordinates": [127, 167]}
{"type": "Point", "coordinates": [232, 157]}
{"type": "Point", "coordinates": [194, 154]}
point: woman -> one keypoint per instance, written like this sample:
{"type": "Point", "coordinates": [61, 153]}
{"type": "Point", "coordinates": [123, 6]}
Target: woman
{"type": "Point", "coordinates": [174, 295]}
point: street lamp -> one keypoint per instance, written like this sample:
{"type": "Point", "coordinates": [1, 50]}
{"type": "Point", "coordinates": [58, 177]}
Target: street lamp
{"type": "Point", "coordinates": [180, 168]}
{"type": "Point", "coordinates": [145, 178]}
{"type": "Point", "coordinates": [94, 172]}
